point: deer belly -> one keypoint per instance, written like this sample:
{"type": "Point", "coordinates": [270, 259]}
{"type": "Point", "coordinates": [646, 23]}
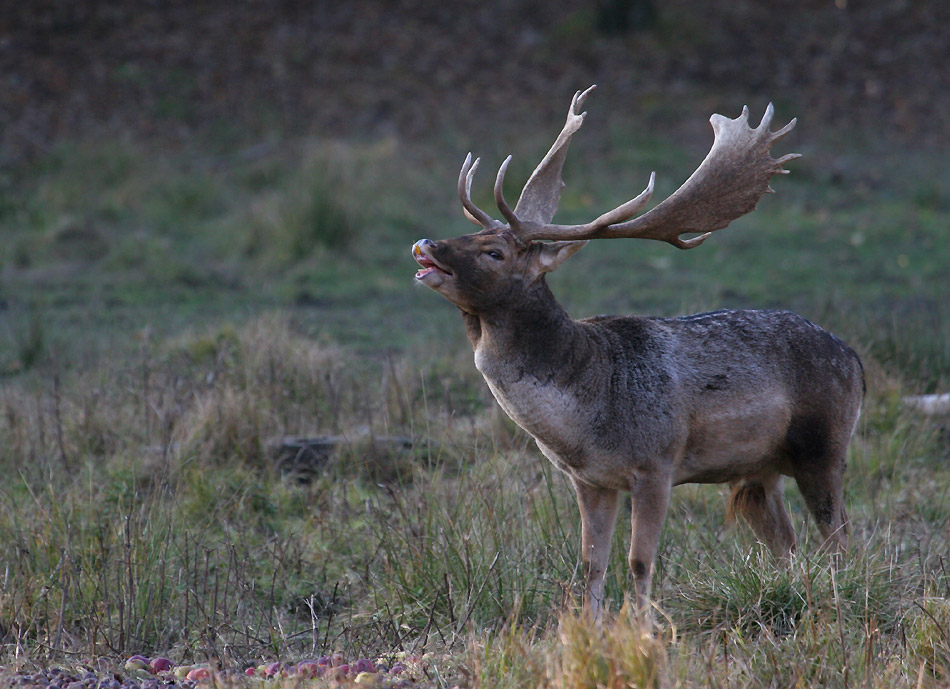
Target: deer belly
{"type": "Point", "coordinates": [733, 442]}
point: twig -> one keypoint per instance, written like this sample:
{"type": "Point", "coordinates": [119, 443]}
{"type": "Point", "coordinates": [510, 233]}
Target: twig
{"type": "Point", "coordinates": [474, 599]}
{"type": "Point", "coordinates": [58, 417]}
{"type": "Point", "coordinates": [844, 649]}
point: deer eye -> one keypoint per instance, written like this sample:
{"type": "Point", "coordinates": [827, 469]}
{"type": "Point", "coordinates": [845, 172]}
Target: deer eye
{"type": "Point", "coordinates": [496, 255]}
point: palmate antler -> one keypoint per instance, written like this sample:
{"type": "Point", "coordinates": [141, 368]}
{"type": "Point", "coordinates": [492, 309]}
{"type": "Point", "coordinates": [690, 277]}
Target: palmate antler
{"type": "Point", "coordinates": [728, 184]}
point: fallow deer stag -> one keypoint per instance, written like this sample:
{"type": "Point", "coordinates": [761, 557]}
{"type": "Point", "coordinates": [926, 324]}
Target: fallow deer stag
{"type": "Point", "coordinates": [629, 403]}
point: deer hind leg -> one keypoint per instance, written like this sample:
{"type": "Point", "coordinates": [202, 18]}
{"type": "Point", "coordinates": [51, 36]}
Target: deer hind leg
{"type": "Point", "coordinates": [598, 507]}
{"type": "Point", "coordinates": [760, 502]}
{"type": "Point", "coordinates": [823, 492]}
{"type": "Point", "coordinates": [818, 467]}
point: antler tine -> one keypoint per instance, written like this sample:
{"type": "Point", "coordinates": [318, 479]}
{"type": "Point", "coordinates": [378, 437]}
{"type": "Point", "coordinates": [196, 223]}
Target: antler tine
{"type": "Point", "coordinates": [579, 98]}
{"type": "Point", "coordinates": [503, 206]}
{"type": "Point", "coordinates": [627, 210]}
{"type": "Point", "coordinates": [767, 116]}
{"type": "Point", "coordinates": [595, 228]}
{"type": "Point", "coordinates": [574, 121]}
{"type": "Point", "coordinates": [775, 136]}
{"type": "Point", "coordinates": [472, 212]}
{"type": "Point", "coordinates": [784, 159]}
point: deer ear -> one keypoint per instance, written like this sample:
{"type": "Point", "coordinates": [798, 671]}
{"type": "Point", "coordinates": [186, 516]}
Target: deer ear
{"type": "Point", "coordinates": [551, 255]}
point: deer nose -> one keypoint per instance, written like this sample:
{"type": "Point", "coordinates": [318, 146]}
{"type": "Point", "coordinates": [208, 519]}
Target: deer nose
{"type": "Point", "coordinates": [417, 247]}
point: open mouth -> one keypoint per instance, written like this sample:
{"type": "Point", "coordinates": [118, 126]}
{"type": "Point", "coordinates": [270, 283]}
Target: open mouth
{"type": "Point", "coordinates": [428, 265]}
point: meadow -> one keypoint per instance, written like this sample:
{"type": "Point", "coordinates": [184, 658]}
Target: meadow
{"type": "Point", "coordinates": [169, 314]}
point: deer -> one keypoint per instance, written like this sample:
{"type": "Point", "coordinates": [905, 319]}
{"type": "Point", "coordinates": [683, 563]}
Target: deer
{"type": "Point", "coordinates": [635, 404]}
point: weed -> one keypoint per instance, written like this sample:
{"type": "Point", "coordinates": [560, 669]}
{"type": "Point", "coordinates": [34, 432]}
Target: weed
{"type": "Point", "coordinates": [614, 656]}
{"type": "Point", "coordinates": [573, 653]}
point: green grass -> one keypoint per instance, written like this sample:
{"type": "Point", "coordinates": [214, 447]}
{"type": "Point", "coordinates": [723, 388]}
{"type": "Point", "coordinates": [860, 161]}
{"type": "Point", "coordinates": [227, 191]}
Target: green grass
{"type": "Point", "coordinates": [166, 314]}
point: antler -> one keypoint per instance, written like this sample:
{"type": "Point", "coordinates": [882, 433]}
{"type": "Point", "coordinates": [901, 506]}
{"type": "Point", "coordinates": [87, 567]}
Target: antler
{"type": "Point", "coordinates": [473, 212]}
{"type": "Point", "coordinates": [728, 184]}
{"type": "Point", "coordinates": [542, 192]}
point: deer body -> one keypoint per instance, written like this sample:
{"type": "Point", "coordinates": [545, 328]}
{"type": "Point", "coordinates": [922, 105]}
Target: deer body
{"type": "Point", "coordinates": [642, 404]}
{"type": "Point", "coordinates": [710, 398]}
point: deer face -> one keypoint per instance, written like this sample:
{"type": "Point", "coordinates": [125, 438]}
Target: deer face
{"type": "Point", "coordinates": [487, 270]}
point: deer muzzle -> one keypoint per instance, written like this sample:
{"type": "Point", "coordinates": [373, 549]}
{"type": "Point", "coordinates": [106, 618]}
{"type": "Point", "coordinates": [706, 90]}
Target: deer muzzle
{"type": "Point", "coordinates": [421, 252]}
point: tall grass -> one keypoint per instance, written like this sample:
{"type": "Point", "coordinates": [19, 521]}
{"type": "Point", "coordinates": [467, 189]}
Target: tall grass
{"type": "Point", "coordinates": [140, 508]}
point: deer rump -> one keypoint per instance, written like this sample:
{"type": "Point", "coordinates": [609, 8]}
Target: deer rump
{"type": "Point", "coordinates": [642, 404]}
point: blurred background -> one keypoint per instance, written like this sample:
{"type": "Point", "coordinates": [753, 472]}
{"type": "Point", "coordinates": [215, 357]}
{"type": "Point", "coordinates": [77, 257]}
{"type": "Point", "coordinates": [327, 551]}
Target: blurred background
{"type": "Point", "coordinates": [164, 163]}
{"type": "Point", "coordinates": [239, 70]}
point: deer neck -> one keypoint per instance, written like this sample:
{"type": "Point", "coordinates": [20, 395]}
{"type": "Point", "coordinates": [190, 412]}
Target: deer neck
{"type": "Point", "coordinates": [532, 336]}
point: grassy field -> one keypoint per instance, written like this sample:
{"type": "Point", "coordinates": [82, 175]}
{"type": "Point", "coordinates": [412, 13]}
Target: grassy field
{"type": "Point", "coordinates": [165, 314]}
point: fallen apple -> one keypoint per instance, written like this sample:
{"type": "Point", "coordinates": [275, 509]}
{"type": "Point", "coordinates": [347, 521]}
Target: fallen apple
{"type": "Point", "coordinates": [364, 665]}
{"type": "Point", "coordinates": [160, 664]}
{"type": "Point", "coordinates": [308, 669]}
{"type": "Point", "coordinates": [198, 674]}
{"type": "Point", "coordinates": [366, 679]}
{"type": "Point", "coordinates": [137, 662]}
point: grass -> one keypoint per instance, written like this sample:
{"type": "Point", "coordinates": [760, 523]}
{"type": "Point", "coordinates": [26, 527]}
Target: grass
{"type": "Point", "coordinates": [166, 315]}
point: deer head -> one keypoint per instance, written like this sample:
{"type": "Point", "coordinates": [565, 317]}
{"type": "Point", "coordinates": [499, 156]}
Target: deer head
{"type": "Point", "coordinates": [485, 270]}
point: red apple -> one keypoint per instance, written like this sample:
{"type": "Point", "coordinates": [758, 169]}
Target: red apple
{"type": "Point", "coordinates": [198, 674]}
{"type": "Point", "coordinates": [160, 664]}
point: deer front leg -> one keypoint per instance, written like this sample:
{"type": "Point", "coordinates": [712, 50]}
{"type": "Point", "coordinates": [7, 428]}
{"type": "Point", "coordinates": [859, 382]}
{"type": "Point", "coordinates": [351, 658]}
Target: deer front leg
{"type": "Point", "coordinates": [649, 497]}
{"type": "Point", "coordinates": [598, 507]}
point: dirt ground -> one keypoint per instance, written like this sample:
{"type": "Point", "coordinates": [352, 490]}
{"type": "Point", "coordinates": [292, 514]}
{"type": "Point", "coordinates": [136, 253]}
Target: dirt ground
{"type": "Point", "coordinates": [176, 69]}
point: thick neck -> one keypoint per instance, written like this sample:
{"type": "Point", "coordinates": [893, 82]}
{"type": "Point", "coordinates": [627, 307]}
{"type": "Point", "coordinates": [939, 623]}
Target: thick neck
{"type": "Point", "coordinates": [534, 329]}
